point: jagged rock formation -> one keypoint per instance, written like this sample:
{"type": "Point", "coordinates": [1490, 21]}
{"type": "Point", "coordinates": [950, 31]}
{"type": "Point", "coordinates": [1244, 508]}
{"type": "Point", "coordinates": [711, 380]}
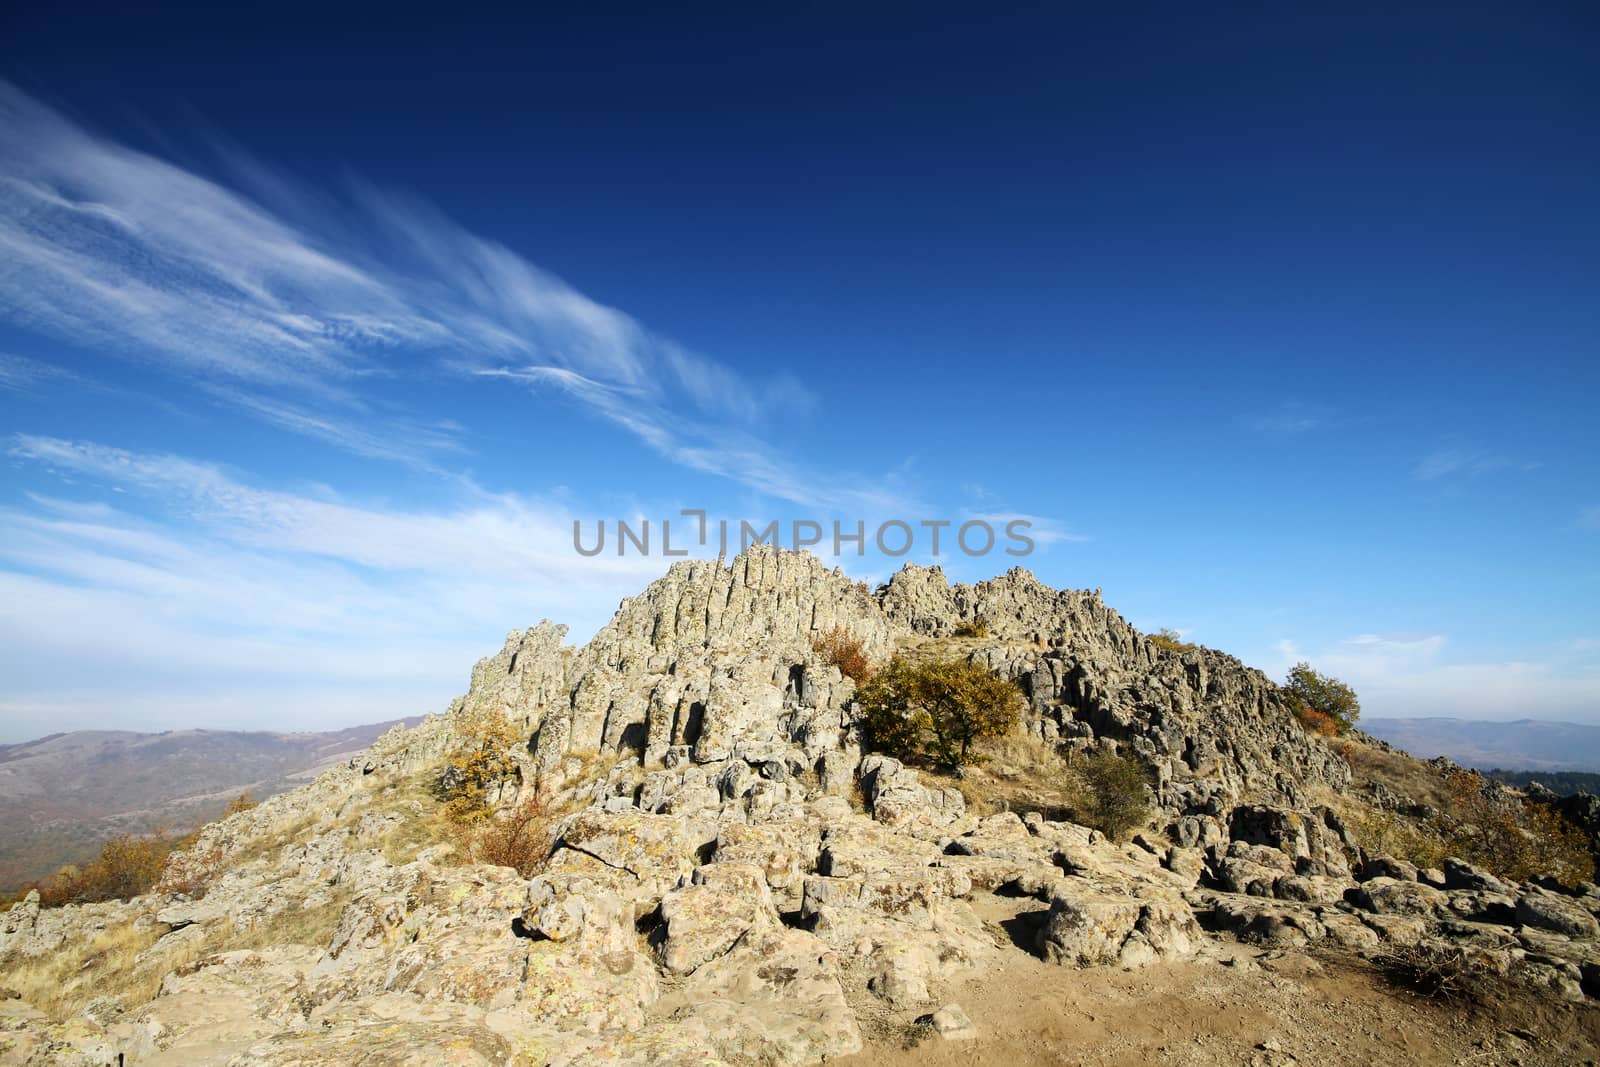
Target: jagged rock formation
{"type": "Point", "coordinates": [737, 881]}
{"type": "Point", "coordinates": [712, 667]}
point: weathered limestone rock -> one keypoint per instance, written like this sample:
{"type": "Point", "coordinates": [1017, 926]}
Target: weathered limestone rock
{"type": "Point", "coordinates": [716, 866]}
{"type": "Point", "coordinates": [1547, 911]}
{"type": "Point", "coordinates": [773, 999]}
{"type": "Point", "coordinates": [951, 1022]}
{"type": "Point", "coordinates": [1087, 926]}
{"type": "Point", "coordinates": [644, 854]}
{"type": "Point", "coordinates": [1390, 896]}
{"type": "Point", "coordinates": [725, 903]}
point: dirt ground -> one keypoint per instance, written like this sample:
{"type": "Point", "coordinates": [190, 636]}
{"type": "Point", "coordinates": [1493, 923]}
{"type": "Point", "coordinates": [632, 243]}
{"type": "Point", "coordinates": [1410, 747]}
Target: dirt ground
{"type": "Point", "coordinates": [1234, 1004]}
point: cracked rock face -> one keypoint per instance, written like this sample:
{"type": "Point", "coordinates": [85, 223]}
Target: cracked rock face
{"type": "Point", "coordinates": [738, 882]}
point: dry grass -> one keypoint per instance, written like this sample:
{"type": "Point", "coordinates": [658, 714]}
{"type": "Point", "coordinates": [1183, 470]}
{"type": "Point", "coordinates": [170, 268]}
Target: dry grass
{"type": "Point", "coordinates": [293, 926]}
{"type": "Point", "coordinates": [128, 962]}
{"type": "Point", "coordinates": [117, 962]}
{"type": "Point", "coordinates": [1406, 777]}
{"type": "Point", "coordinates": [1021, 773]}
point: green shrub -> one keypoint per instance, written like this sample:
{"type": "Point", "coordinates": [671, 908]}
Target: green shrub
{"type": "Point", "coordinates": [936, 710]}
{"type": "Point", "coordinates": [1115, 797]}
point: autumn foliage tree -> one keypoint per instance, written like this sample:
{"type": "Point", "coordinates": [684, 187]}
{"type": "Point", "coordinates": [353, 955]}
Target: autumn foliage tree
{"type": "Point", "coordinates": [936, 710]}
{"type": "Point", "coordinates": [1171, 640]}
{"type": "Point", "coordinates": [1324, 704]}
{"type": "Point", "coordinates": [1512, 836]}
{"type": "Point", "coordinates": [482, 758]}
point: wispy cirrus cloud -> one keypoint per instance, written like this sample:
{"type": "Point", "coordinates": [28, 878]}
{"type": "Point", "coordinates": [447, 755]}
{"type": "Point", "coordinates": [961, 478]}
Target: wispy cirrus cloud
{"type": "Point", "coordinates": [291, 308]}
{"type": "Point", "coordinates": [1465, 461]}
{"type": "Point", "coordinates": [1289, 417]}
{"type": "Point", "coordinates": [1044, 530]}
{"type": "Point", "coordinates": [20, 374]}
{"type": "Point", "coordinates": [229, 604]}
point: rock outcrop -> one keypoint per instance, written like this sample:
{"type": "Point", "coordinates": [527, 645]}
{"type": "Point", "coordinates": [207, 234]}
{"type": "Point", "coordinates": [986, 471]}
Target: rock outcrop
{"type": "Point", "coordinates": [737, 881]}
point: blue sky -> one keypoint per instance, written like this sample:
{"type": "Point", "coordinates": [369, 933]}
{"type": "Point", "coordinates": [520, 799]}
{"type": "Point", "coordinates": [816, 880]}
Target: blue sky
{"type": "Point", "coordinates": [316, 336]}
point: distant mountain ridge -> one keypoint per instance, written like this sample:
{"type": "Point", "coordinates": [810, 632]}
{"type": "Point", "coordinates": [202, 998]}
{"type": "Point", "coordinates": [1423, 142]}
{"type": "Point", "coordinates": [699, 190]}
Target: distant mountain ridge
{"type": "Point", "coordinates": [1521, 744]}
{"type": "Point", "coordinates": [63, 794]}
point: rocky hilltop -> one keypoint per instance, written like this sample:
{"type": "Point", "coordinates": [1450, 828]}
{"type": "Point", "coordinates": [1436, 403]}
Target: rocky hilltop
{"type": "Point", "coordinates": [733, 879]}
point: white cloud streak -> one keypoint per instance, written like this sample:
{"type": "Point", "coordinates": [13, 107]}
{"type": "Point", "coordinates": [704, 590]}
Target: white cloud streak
{"type": "Point", "coordinates": [276, 606]}
{"type": "Point", "coordinates": [290, 309]}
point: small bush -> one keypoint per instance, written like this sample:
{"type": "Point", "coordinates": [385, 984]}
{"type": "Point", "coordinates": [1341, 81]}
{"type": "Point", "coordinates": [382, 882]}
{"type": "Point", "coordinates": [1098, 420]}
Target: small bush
{"type": "Point", "coordinates": [976, 628]}
{"type": "Point", "coordinates": [1513, 837]}
{"type": "Point", "coordinates": [190, 871]}
{"type": "Point", "coordinates": [842, 649]}
{"type": "Point", "coordinates": [1437, 969]}
{"type": "Point", "coordinates": [240, 804]}
{"type": "Point", "coordinates": [1171, 640]}
{"type": "Point", "coordinates": [520, 838]}
{"type": "Point", "coordinates": [1316, 722]}
{"type": "Point", "coordinates": [936, 710]}
{"type": "Point", "coordinates": [1116, 797]}
{"type": "Point", "coordinates": [1384, 831]}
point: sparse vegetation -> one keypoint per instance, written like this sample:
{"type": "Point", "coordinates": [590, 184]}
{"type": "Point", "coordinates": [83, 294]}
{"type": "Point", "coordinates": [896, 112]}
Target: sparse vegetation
{"type": "Point", "coordinates": [1436, 969]}
{"type": "Point", "coordinates": [1115, 797]}
{"type": "Point", "coordinates": [190, 871]}
{"type": "Point", "coordinates": [842, 649]}
{"type": "Point", "coordinates": [127, 866]}
{"type": "Point", "coordinates": [936, 710]}
{"type": "Point", "coordinates": [481, 760]}
{"type": "Point", "coordinates": [1462, 813]}
{"type": "Point", "coordinates": [1171, 640]}
{"type": "Point", "coordinates": [1513, 837]}
{"type": "Point", "coordinates": [128, 961]}
{"type": "Point", "coordinates": [1318, 699]}
{"type": "Point", "coordinates": [238, 805]}
{"type": "Point", "coordinates": [1385, 831]}
{"type": "Point", "coordinates": [520, 838]}
{"type": "Point", "coordinates": [976, 628]}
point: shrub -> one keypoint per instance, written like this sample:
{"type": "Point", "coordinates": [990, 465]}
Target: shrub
{"type": "Point", "coordinates": [482, 758]}
{"type": "Point", "coordinates": [842, 648]}
{"type": "Point", "coordinates": [1384, 831]}
{"type": "Point", "coordinates": [1437, 969]}
{"type": "Point", "coordinates": [190, 871]}
{"type": "Point", "coordinates": [936, 709]}
{"type": "Point", "coordinates": [126, 867]}
{"type": "Point", "coordinates": [1328, 697]}
{"type": "Point", "coordinates": [1116, 797]}
{"type": "Point", "coordinates": [976, 628]}
{"type": "Point", "coordinates": [1515, 838]}
{"type": "Point", "coordinates": [1171, 640]}
{"type": "Point", "coordinates": [1316, 721]}
{"type": "Point", "coordinates": [520, 838]}
{"type": "Point", "coordinates": [239, 804]}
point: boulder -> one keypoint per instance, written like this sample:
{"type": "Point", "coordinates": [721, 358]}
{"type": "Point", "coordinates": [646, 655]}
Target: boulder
{"type": "Point", "coordinates": [1087, 926]}
{"type": "Point", "coordinates": [1547, 911]}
